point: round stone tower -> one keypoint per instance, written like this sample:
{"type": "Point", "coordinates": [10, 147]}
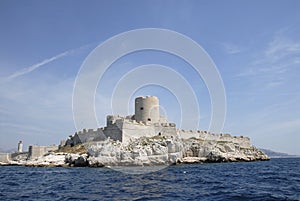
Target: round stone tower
{"type": "Point", "coordinates": [147, 109]}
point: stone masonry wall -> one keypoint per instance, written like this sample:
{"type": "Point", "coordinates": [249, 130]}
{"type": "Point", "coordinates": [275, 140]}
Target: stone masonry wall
{"type": "Point", "coordinates": [4, 157]}
{"type": "Point", "coordinates": [88, 135]}
{"type": "Point", "coordinates": [204, 135]}
{"type": "Point", "coordinates": [134, 130]}
{"type": "Point", "coordinates": [114, 130]}
{"type": "Point", "coordinates": [124, 129]}
{"type": "Point", "coordinates": [37, 151]}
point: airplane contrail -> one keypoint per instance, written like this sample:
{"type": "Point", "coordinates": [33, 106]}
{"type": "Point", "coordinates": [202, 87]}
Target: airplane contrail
{"type": "Point", "coordinates": [35, 66]}
{"type": "Point", "coordinates": [42, 63]}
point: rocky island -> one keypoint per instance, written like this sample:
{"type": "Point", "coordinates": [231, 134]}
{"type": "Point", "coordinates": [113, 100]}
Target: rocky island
{"type": "Point", "coordinates": [142, 139]}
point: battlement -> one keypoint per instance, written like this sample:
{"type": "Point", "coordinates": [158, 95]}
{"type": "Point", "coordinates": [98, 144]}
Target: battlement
{"type": "Point", "coordinates": [112, 119]}
{"type": "Point", "coordinates": [208, 136]}
{"type": "Point", "coordinates": [146, 97]}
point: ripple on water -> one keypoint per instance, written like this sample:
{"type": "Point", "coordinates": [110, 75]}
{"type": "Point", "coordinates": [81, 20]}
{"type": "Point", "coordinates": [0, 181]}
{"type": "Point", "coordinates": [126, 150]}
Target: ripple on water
{"type": "Point", "coordinates": [277, 179]}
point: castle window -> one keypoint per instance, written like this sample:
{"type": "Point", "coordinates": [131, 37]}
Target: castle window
{"type": "Point", "coordinates": [159, 134]}
{"type": "Point", "coordinates": [142, 108]}
{"type": "Point", "coordinates": [149, 119]}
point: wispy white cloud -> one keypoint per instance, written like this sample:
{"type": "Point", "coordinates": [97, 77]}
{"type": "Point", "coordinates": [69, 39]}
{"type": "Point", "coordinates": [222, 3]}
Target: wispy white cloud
{"type": "Point", "coordinates": [289, 124]}
{"type": "Point", "coordinates": [262, 69]}
{"type": "Point", "coordinates": [281, 48]}
{"type": "Point", "coordinates": [231, 48]}
{"type": "Point", "coordinates": [28, 128]}
{"type": "Point", "coordinates": [42, 114]}
{"type": "Point", "coordinates": [275, 63]}
{"type": "Point", "coordinates": [274, 83]}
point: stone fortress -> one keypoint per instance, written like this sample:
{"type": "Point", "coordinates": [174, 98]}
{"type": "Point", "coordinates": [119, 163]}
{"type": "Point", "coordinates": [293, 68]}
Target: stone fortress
{"type": "Point", "coordinates": [145, 138]}
{"type": "Point", "coordinates": [146, 122]}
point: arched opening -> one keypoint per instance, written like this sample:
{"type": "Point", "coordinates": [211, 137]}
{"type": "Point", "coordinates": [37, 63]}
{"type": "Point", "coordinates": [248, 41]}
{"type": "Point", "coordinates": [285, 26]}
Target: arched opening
{"type": "Point", "coordinates": [149, 119]}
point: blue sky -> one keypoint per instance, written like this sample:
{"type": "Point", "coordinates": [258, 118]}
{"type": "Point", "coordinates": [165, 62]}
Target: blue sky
{"type": "Point", "coordinates": [254, 44]}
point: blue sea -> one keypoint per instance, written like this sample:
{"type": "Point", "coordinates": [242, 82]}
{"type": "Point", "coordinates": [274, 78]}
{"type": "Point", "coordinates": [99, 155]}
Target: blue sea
{"type": "Point", "coordinates": [277, 179]}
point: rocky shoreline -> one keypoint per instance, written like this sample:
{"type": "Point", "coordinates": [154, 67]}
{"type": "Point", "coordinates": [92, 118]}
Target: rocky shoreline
{"type": "Point", "coordinates": [144, 152]}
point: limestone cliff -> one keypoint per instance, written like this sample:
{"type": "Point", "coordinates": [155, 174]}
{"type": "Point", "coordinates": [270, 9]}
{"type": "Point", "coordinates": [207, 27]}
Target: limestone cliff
{"type": "Point", "coordinates": [146, 151]}
{"type": "Point", "coordinates": [161, 151]}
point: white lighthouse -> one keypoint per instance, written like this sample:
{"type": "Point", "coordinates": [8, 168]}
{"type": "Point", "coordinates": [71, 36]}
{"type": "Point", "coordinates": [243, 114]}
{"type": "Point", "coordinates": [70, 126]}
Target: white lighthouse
{"type": "Point", "coordinates": [20, 146]}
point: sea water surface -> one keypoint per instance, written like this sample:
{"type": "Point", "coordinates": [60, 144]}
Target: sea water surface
{"type": "Point", "coordinates": [278, 179]}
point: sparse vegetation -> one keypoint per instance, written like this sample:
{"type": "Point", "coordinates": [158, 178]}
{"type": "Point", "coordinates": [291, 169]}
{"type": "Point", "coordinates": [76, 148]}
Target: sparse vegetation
{"type": "Point", "coordinates": [222, 142]}
{"type": "Point", "coordinates": [158, 137]}
{"type": "Point", "coordinates": [77, 149]}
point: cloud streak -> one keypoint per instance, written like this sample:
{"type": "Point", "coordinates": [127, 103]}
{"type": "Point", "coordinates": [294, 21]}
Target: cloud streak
{"type": "Point", "coordinates": [31, 68]}
{"type": "Point", "coordinates": [282, 48]}
{"type": "Point", "coordinates": [231, 48]}
{"type": "Point", "coordinates": [36, 66]}
{"type": "Point", "coordinates": [276, 63]}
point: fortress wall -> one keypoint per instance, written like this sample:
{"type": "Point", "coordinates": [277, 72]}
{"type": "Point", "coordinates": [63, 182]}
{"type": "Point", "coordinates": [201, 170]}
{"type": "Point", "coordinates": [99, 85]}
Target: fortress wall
{"type": "Point", "coordinates": [99, 134]}
{"type": "Point", "coordinates": [37, 151]}
{"type": "Point", "coordinates": [5, 157]}
{"type": "Point", "coordinates": [19, 156]}
{"type": "Point", "coordinates": [163, 119]}
{"type": "Point", "coordinates": [76, 139]}
{"type": "Point", "coordinates": [186, 134]}
{"type": "Point", "coordinates": [244, 142]}
{"type": "Point", "coordinates": [205, 135]}
{"type": "Point", "coordinates": [114, 131]}
{"type": "Point", "coordinates": [88, 136]}
{"type": "Point", "coordinates": [135, 130]}
{"type": "Point", "coordinates": [112, 119]}
{"type": "Point", "coordinates": [209, 136]}
{"type": "Point", "coordinates": [165, 129]}
{"type": "Point", "coordinates": [241, 140]}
